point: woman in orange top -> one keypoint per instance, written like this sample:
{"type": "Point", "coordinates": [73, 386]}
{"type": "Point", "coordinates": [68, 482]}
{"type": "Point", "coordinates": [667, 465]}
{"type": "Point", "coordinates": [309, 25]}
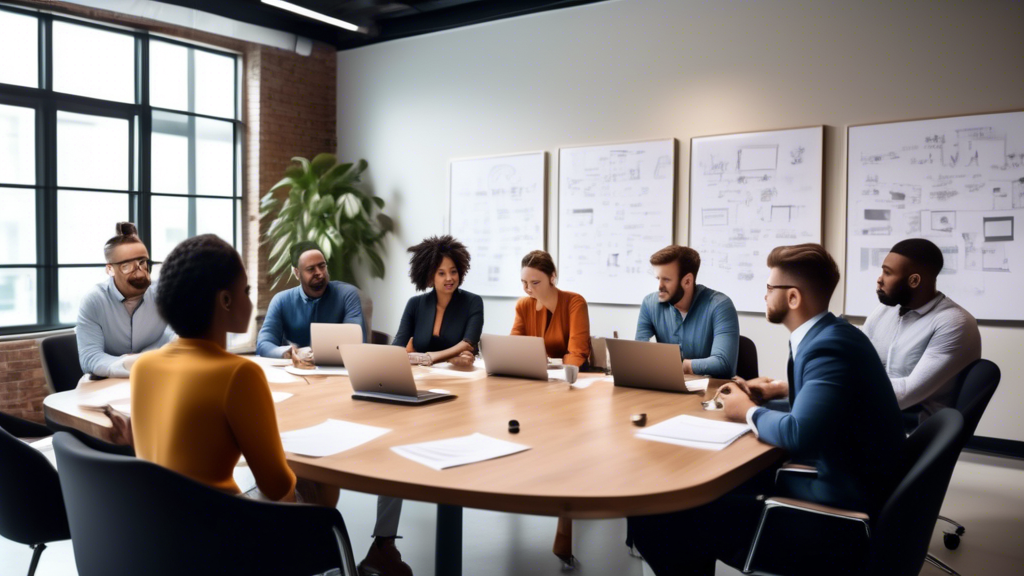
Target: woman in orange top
{"type": "Point", "coordinates": [561, 318]}
{"type": "Point", "coordinates": [196, 407]}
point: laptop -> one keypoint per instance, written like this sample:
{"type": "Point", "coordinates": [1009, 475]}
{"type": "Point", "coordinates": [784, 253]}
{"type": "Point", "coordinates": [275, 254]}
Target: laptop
{"type": "Point", "coordinates": [381, 373]}
{"type": "Point", "coordinates": [519, 356]}
{"type": "Point", "coordinates": [649, 365]}
{"type": "Point", "coordinates": [326, 341]}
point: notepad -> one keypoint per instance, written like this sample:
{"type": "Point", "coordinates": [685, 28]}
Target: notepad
{"type": "Point", "coordinates": [329, 437]}
{"type": "Point", "coordinates": [699, 385]}
{"type": "Point", "coordinates": [694, 432]}
{"type": "Point", "coordinates": [459, 451]}
{"type": "Point", "coordinates": [98, 400]}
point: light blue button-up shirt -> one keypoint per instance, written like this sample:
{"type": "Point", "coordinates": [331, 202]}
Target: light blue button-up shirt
{"type": "Point", "coordinates": [106, 331]}
{"type": "Point", "coordinates": [708, 336]}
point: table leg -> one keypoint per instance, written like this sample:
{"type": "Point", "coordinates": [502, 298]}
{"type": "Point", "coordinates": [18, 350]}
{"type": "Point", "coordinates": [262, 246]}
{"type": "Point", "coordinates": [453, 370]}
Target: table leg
{"type": "Point", "coordinates": [448, 548]}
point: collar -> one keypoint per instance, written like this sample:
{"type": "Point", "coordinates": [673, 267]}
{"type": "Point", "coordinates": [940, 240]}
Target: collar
{"type": "Point", "coordinates": [306, 298]}
{"type": "Point", "coordinates": [922, 310]}
{"type": "Point", "coordinates": [801, 332]}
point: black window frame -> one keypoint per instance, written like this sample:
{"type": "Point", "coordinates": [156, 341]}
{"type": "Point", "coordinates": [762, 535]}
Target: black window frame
{"type": "Point", "coordinates": [47, 103]}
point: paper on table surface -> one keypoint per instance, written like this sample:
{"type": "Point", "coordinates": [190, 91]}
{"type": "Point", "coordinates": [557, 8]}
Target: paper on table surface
{"type": "Point", "coordinates": [280, 396]}
{"type": "Point", "coordinates": [458, 451]}
{"type": "Point", "coordinates": [715, 446]}
{"type": "Point", "coordinates": [329, 437]}
{"type": "Point", "coordinates": [117, 393]}
{"type": "Point", "coordinates": [698, 385]}
{"type": "Point", "coordinates": [691, 429]}
{"type": "Point", "coordinates": [318, 371]}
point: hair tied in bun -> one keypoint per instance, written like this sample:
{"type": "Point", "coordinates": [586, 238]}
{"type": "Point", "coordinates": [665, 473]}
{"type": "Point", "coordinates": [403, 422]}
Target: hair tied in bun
{"type": "Point", "coordinates": [126, 229]}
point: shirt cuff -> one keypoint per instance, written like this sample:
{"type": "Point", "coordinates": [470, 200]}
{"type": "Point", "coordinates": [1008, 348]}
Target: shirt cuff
{"type": "Point", "coordinates": [279, 351]}
{"type": "Point", "coordinates": [750, 420]}
{"type": "Point", "coordinates": [117, 369]}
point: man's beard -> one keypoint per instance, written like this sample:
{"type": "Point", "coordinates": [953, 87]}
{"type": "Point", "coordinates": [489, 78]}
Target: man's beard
{"type": "Point", "coordinates": [901, 295]}
{"type": "Point", "coordinates": [318, 285]}
{"type": "Point", "coordinates": [676, 296]}
{"type": "Point", "coordinates": [777, 315]}
{"type": "Point", "coordinates": [140, 283]}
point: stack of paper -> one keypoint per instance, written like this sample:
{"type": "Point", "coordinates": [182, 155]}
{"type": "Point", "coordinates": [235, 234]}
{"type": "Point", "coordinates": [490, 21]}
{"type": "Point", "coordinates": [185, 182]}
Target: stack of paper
{"type": "Point", "coordinates": [698, 385]}
{"type": "Point", "coordinates": [330, 437]}
{"type": "Point", "coordinates": [98, 400]}
{"type": "Point", "coordinates": [441, 454]}
{"type": "Point", "coordinates": [318, 371]}
{"type": "Point", "coordinates": [695, 432]}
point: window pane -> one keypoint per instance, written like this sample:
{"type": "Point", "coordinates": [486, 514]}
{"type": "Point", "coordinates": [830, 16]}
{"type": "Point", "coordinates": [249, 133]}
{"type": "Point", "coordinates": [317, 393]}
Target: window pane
{"type": "Point", "coordinates": [238, 225]}
{"type": "Point", "coordinates": [92, 62]}
{"type": "Point", "coordinates": [92, 151]}
{"type": "Point", "coordinates": [19, 43]}
{"type": "Point", "coordinates": [17, 296]}
{"type": "Point", "coordinates": [170, 224]}
{"type": "Point", "coordinates": [17, 226]}
{"type": "Point", "coordinates": [169, 165]}
{"type": "Point", "coordinates": [215, 84]}
{"type": "Point", "coordinates": [168, 75]}
{"type": "Point", "coordinates": [17, 145]}
{"type": "Point", "coordinates": [85, 221]}
{"type": "Point", "coordinates": [72, 285]}
{"type": "Point", "coordinates": [215, 157]}
{"type": "Point", "coordinates": [215, 217]}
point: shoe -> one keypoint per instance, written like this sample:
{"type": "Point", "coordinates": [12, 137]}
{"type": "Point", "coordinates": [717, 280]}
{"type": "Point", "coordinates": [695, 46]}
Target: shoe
{"type": "Point", "coordinates": [384, 559]}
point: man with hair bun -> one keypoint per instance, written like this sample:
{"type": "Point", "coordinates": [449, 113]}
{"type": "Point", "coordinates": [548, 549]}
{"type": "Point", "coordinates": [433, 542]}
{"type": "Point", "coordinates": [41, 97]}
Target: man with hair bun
{"type": "Point", "coordinates": [118, 319]}
{"type": "Point", "coordinates": [922, 336]}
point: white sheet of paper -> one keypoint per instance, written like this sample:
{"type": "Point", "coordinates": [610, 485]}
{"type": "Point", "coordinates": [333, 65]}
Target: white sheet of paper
{"type": "Point", "coordinates": [121, 392]}
{"type": "Point", "coordinates": [688, 428]}
{"type": "Point", "coordinates": [329, 437]}
{"type": "Point", "coordinates": [318, 371]}
{"type": "Point", "coordinates": [556, 374]}
{"type": "Point", "coordinates": [587, 382]}
{"type": "Point", "coordinates": [446, 371]}
{"type": "Point", "coordinates": [698, 385]}
{"type": "Point", "coordinates": [458, 451]}
{"type": "Point", "coordinates": [715, 446]}
{"type": "Point", "coordinates": [281, 396]}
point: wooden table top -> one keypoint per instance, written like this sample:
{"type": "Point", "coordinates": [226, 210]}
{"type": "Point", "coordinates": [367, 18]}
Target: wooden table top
{"type": "Point", "coordinates": [584, 461]}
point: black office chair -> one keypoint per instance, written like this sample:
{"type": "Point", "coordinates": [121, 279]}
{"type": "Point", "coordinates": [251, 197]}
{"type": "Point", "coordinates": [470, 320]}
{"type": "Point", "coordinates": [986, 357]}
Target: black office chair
{"type": "Point", "coordinates": [130, 516]}
{"type": "Point", "coordinates": [380, 338]}
{"type": "Point", "coordinates": [31, 504]}
{"type": "Point", "coordinates": [746, 365]}
{"type": "Point", "coordinates": [60, 362]}
{"type": "Point", "coordinates": [895, 542]}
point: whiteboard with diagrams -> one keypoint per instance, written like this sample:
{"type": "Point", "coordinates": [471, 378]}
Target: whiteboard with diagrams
{"type": "Point", "coordinates": [750, 193]}
{"type": "Point", "coordinates": [615, 209]}
{"type": "Point", "coordinates": [958, 182]}
{"type": "Point", "coordinates": [496, 208]}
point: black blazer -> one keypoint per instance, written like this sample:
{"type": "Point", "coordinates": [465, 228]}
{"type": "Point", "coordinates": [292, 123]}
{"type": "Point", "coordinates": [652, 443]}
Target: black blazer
{"type": "Point", "coordinates": [463, 320]}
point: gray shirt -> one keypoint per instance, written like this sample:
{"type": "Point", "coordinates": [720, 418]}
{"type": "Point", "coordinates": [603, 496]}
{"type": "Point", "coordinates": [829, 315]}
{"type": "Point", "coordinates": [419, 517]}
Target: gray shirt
{"type": "Point", "coordinates": [924, 349]}
{"type": "Point", "coordinates": [106, 330]}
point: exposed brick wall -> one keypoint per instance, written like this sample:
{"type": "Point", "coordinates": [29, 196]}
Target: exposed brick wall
{"type": "Point", "coordinates": [22, 385]}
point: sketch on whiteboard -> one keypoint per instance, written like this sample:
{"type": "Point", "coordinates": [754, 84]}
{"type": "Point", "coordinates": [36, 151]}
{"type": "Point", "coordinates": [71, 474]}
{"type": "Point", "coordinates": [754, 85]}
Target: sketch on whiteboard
{"type": "Point", "coordinates": [748, 194]}
{"type": "Point", "coordinates": [615, 210]}
{"type": "Point", "coordinates": [956, 181]}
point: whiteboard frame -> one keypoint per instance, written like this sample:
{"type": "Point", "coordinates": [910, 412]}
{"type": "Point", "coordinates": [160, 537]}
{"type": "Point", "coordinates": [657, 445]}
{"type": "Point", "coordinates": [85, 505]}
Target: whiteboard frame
{"type": "Point", "coordinates": [846, 190]}
{"type": "Point", "coordinates": [689, 184]}
{"type": "Point", "coordinates": [544, 209]}
{"type": "Point", "coordinates": [558, 195]}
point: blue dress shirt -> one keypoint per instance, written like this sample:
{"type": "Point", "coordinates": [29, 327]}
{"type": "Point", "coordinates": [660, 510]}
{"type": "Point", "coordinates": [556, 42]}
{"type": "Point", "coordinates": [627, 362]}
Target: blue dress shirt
{"type": "Point", "coordinates": [106, 331]}
{"type": "Point", "coordinates": [709, 335]}
{"type": "Point", "coordinates": [292, 311]}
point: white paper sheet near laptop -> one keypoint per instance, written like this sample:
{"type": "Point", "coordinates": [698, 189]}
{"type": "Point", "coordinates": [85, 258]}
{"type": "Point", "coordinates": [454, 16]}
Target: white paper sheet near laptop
{"type": "Point", "coordinates": [317, 371]}
{"type": "Point", "coordinates": [329, 437]}
{"type": "Point", "coordinates": [118, 393]}
{"type": "Point", "coordinates": [451, 452]}
{"type": "Point", "coordinates": [694, 432]}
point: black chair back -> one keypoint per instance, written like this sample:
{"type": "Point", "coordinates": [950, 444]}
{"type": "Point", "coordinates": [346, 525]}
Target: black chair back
{"type": "Point", "coordinates": [977, 384]}
{"type": "Point", "coordinates": [380, 338]}
{"type": "Point", "coordinates": [902, 530]}
{"type": "Point", "coordinates": [31, 504]}
{"type": "Point", "coordinates": [130, 516]}
{"type": "Point", "coordinates": [60, 361]}
{"type": "Point", "coordinates": [746, 364]}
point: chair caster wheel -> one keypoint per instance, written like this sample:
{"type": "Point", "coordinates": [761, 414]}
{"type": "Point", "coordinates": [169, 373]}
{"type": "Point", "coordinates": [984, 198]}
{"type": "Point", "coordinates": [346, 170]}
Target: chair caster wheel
{"type": "Point", "coordinates": [952, 541]}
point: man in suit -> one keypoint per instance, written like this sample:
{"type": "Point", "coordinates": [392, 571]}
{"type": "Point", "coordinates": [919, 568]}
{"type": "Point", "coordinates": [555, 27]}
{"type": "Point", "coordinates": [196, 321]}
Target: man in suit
{"type": "Point", "coordinates": [843, 420]}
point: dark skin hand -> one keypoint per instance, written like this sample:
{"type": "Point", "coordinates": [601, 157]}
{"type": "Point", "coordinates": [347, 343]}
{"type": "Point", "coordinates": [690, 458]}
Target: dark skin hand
{"type": "Point", "coordinates": [122, 433]}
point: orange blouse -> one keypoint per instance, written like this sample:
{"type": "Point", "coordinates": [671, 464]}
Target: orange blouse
{"type": "Point", "coordinates": [196, 408]}
{"type": "Point", "coordinates": [567, 336]}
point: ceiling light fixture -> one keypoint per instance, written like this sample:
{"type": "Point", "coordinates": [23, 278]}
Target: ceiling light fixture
{"type": "Point", "coordinates": [314, 15]}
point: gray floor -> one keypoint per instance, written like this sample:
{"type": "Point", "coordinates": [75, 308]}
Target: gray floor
{"type": "Point", "coordinates": [986, 495]}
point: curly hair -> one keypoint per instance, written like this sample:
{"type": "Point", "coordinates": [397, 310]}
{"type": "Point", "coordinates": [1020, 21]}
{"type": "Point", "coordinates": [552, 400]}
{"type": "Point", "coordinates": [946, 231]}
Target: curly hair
{"type": "Point", "coordinates": [190, 278]}
{"type": "Point", "coordinates": [428, 255]}
{"type": "Point", "coordinates": [126, 234]}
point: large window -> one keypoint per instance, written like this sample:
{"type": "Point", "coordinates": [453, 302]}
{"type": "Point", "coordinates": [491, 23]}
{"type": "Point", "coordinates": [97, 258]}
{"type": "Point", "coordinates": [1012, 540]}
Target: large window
{"type": "Point", "coordinates": [98, 125]}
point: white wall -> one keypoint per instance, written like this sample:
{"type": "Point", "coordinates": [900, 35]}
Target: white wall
{"type": "Point", "coordinates": [639, 69]}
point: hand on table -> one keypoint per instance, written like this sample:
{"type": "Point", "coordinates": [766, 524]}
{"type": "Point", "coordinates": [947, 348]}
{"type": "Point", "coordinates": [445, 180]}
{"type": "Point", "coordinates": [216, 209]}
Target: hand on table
{"type": "Point", "coordinates": [122, 434]}
{"type": "Point", "coordinates": [301, 357]}
{"type": "Point", "coordinates": [463, 360]}
{"type": "Point", "coordinates": [761, 390]}
{"type": "Point", "coordinates": [735, 402]}
{"type": "Point", "coordinates": [420, 359]}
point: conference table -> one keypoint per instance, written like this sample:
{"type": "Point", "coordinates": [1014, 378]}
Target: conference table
{"type": "Point", "coordinates": [584, 459]}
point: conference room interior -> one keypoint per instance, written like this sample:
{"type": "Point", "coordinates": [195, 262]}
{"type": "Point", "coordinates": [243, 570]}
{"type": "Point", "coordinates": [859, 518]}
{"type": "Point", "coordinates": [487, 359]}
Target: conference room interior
{"type": "Point", "coordinates": [235, 89]}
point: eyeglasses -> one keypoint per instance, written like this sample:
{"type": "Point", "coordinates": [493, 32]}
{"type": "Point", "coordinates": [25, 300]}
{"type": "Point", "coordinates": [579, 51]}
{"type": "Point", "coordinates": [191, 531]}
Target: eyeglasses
{"type": "Point", "coordinates": [779, 286]}
{"type": "Point", "coordinates": [129, 266]}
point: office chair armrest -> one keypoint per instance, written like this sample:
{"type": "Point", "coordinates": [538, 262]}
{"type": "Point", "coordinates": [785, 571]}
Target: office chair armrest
{"type": "Point", "coordinates": [803, 506]}
{"type": "Point", "coordinates": [797, 469]}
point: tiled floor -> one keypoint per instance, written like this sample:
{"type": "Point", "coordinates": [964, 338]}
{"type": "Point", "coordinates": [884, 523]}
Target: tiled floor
{"type": "Point", "coordinates": [986, 495]}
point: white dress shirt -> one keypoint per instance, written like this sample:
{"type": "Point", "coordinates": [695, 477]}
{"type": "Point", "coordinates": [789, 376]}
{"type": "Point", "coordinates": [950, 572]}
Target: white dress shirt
{"type": "Point", "coordinates": [924, 349]}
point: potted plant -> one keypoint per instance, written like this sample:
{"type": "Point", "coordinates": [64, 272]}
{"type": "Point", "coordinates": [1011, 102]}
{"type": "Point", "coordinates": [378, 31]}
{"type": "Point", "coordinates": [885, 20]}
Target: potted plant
{"type": "Point", "coordinates": [325, 206]}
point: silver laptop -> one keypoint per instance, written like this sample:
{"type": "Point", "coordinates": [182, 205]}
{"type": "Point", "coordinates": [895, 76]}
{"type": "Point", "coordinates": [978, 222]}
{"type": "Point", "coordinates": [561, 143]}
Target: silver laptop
{"type": "Point", "coordinates": [649, 365]}
{"type": "Point", "coordinates": [381, 373]}
{"type": "Point", "coordinates": [326, 341]}
{"type": "Point", "coordinates": [520, 356]}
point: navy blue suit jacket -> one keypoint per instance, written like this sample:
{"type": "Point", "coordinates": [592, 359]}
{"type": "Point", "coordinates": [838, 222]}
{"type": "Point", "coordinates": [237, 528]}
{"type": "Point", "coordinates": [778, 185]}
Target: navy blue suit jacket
{"type": "Point", "coordinates": [844, 419]}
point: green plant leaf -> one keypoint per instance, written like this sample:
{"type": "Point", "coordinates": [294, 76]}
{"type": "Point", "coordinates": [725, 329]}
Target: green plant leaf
{"type": "Point", "coordinates": [302, 162]}
{"type": "Point", "coordinates": [376, 263]}
{"type": "Point", "coordinates": [295, 173]}
{"type": "Point", "coordinates": [321, 163]}
{"type": "Point", "coordinates": [385, 222]}
{"type": "Point", "coordinates": [286, 181]}
{"type": "Point", "coordinates": [379, 202]}
{"type": "Point", "coordinates": [325, 205]}
{"type": "Point", "coordinates": [282, 262]}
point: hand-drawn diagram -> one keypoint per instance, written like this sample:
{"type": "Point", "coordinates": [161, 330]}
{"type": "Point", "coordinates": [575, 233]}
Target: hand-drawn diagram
{"type": "Point", "coordinates": [497, 211]}
{"type": "Point", "coordinates": [615, 209]}
{"type": "Point", "coordinates": [748, 194]}
{"type": "Point", "coordinates": [958, 182]}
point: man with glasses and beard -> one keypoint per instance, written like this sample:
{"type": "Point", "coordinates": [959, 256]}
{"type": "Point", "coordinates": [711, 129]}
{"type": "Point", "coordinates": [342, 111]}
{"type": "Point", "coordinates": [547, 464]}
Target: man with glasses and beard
{"type": "Point", "coordinates": [701, 321]}
{"type": "Point", "coordinates": [923, 338]}
{"type": "Point", "coordinates": [118, 319]}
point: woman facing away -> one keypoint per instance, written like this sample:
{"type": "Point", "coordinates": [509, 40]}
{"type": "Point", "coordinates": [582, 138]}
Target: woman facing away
{"type": "Point", "coordinates": [444, 324]}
